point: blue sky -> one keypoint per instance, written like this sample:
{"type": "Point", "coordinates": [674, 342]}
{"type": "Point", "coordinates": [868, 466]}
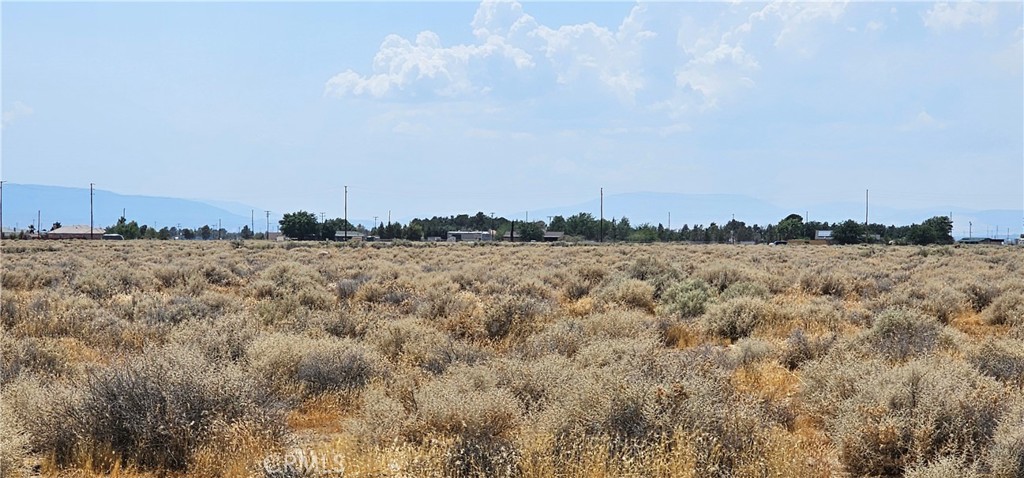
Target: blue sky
{"type": "Point", "coordinates": [437, 108]}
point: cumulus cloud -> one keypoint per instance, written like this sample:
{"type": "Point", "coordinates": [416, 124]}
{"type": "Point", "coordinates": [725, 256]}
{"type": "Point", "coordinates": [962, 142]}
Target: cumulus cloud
{"type": "Point", "coordinates": [798, 22]}
{"type": "Point", "coordinates": [943, 16]}
{"type": "Point", "coordinates": [425, 64]}
{"type": "Point", "coordinates": [692, 68]}
{"type": "Point", "coordinates": [507, 39]}
{"type": "Point", "coordinates": [18, 110]}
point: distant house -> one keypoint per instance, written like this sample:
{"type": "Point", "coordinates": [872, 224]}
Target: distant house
{"type": "Point", "coordinates": [469, 236]}
{"type": "Point", "coordinates": [553, 236]}
{"type": "Point", "coordinates": [348, 235]}
{"type": "Point", "coordinates": [76, 232]}
{"type": "Point", "coordinates": [980, 240]}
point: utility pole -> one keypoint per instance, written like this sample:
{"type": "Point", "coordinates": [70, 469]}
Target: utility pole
{"type": "Point", "coordinates": [267, 233]}
{"type": "Point", "coordinates": [346, 213]}
{"type": "Point", "coordinates": [91, 227]}
{"type": "Point", "coordinates": [252, 221]}
{"type": "Point", "coordinates": [670, 221]}
{"type": "Point", "coordinates": [865, 215]}
{"type": "Point", "coordinates": [219, 228]}
{"type": "Point", "coordinates": [375, 224]}
{"type": "Point", "coordinates": [600, 235]}
{"type": "Point", "coordinates": [39, 221]}
{"type": "Point", "coordinates": [970, 229]}
{"type": "Point", "coordinates": [2, 209]}
{"type": "Point", "coordinates": [865, 208]}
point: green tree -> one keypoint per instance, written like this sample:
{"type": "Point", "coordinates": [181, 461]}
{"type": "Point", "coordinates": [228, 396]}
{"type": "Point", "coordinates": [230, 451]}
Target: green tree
{"type": "Point", "coordinates": [529, 231]}
{"type": "Point", "coordinates": [188, 234]}
{"type": "Point", "coordinates": [848, 232]}
{"type": "Point", "coordinates": [164, 234]}
{"type": "Point", "coordinates": [205, 232]}
{"type": "Point", "coordinates": [55, 225]}
{"type": "Point", "coordinates": [557, 224]}
{"type": "Point", "coordinates": [791, 227]}
{"type": "Point", "coordinates": [414, 232]}
{"type": "Point", "coordinates": [128, 230]}
{"type": "Point", "coordinates": [246, 232]}
{"type": "Point", "coordinates": [921, 235]}
{"type": "Point", "coordinates": [330, 228]}
{"type": "Point", "coordinates": [582, 224]}
{"type": "Point", "coordinates": [643, 233]}
{"type": "Point", "coordinates": [942, 229]}
{"type": "Point", "coordinates": [299, 225]}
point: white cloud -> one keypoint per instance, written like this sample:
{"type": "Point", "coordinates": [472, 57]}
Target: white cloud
{"type": "Point", "coordinates": [404, 66]}
{"type": "Point", "coordinates": [510, 39]}
{"type": "Point", "coordinates": [18, 110]}
{"type": "Point", "coordinates": [798, 22]}
{"type": "Point", "coordinates": [943, 16]}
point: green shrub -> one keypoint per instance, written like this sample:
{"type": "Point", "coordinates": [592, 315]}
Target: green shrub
{"type": "Point", "coordinates": [686, 299]}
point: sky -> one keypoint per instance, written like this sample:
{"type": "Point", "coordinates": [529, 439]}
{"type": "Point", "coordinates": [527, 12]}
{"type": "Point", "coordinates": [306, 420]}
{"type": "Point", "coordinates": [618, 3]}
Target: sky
{"type": "Point", "coordinates": [441, 108]}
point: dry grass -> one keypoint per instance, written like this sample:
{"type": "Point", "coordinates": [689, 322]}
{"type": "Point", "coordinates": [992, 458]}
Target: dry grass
{"type": "Point", "coordinates": [203, 359]}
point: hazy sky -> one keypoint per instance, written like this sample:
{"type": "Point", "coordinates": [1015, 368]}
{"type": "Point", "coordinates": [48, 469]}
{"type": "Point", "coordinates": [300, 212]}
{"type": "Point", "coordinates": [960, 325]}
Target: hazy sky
{"type": "Point", "coordinates": [437, 108]}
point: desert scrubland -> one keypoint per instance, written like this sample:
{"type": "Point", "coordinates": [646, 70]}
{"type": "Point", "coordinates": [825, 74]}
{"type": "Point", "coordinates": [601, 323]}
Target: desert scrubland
{"type": "Point", "coordinates": [212, 359]}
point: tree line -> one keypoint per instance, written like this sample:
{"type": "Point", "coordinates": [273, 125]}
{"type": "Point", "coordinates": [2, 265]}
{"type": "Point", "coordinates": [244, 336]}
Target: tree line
{"type": "Point", "coordinates": [304, 225]}
{"type": "Point", "coordinates": [584, 226]}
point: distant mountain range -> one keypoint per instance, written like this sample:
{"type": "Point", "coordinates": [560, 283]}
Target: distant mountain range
{"type": "Point", "coordinates": [21, 202]}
